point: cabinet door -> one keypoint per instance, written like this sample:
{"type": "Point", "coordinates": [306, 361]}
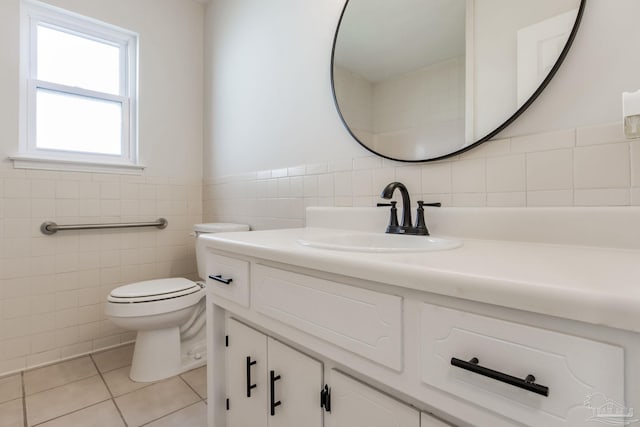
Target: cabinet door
{"type": "Point", "coordinates": [246, 376]}
{"type": "Point", "coordinates": [354, 404]}
{"type": "Point", "coordinates": [296, 386]}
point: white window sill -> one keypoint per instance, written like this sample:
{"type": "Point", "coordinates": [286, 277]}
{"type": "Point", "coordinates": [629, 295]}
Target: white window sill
{"type": "Point", "coordinates": [32, 162]}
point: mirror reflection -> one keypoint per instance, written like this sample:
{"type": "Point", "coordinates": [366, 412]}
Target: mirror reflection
{"type": "Point", "coordinates": [418, 80]}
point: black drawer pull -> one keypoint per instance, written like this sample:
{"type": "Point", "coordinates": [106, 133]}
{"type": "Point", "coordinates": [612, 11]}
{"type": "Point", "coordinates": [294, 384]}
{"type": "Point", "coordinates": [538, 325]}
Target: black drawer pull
{"type": "Point", "coordinates": [221, 279]}
{"type": "Point", "coordinates": [529, 383]}
{"type": "Point", "coordinates": [250, 386]}
{"type": "Point", "coordinates": [272, 386]}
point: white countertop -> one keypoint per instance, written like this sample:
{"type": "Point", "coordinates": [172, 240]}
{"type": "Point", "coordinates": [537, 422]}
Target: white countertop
{"type": "Point", "coordinates": [591, 284]}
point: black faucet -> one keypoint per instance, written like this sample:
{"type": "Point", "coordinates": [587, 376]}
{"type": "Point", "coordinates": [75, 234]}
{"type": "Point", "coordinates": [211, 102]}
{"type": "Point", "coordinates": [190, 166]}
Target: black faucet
{"type": "Point", "coordinates": [387, 193]}
{"type": "Point", "coordinates": [406, 227]}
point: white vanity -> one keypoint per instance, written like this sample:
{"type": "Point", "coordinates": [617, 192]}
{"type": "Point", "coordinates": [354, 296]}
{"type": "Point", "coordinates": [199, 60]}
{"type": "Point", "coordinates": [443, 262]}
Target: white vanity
{"type": "Point", "coordinates": [534, 320]}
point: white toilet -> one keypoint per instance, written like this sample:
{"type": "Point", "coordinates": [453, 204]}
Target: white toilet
{"type": "Point", "coordinates": [169, 315]}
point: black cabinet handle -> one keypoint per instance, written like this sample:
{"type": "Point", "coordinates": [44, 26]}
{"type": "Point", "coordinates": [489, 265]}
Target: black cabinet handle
{"type": "Point", "coordinates": [250, 386]}
{"type": "Point", "coordinates": [325, 398]}
{"type": "Point", "coordinates": [221, 279]}
{"type": "Point", "coordinates": [529, 383]}
{"type": "Point", "coordinates": [272, 386]}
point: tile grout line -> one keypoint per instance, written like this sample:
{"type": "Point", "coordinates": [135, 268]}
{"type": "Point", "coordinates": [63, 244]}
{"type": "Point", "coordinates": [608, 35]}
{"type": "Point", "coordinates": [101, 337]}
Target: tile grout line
{"type": "Point", "coordinates": [171, 413]}
{"type": "Point", "coordinates": [189, 385]}
{"type": "Point", "coordinates": [113, 400]}
{"type": "Point", "coordinates": [24, 401]}
{"type": "Point", "coordinates": [69, 413]}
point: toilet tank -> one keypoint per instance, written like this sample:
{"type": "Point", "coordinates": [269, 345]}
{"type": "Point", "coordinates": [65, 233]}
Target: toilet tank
{"type": "Point", "coordinates": [212, 227]}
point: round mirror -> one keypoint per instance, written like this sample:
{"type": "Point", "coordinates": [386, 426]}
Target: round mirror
{"type": "Point", "coordinates": [420, 80]}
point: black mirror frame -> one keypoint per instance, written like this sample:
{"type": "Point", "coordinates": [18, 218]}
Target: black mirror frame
{"type": "Point", "coordinates": [490, 135]}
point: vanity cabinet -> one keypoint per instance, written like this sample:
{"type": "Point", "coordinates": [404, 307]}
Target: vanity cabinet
{"type": "Point", "coordinates": [269, 384]}
{"type": "Point", "coordinates": [469, 363]}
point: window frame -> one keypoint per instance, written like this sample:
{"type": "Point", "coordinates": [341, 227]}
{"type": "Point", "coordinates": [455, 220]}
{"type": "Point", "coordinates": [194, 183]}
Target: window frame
{"type": "Point", "coordinates": [35, 14]}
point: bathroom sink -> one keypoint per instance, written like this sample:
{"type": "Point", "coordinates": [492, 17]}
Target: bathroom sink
{"type": "Point", "coordinates": [378, 242]}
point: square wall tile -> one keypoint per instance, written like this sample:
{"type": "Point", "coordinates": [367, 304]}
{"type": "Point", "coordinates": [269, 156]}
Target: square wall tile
{"type": "Point", "coordinates": [363, 183]}
{"type": "Point", "coordinates": [544, 141]}
{"type": "Point", "coordinates": [11, 414]}
{"type": "Point", "coordinates": [382, 177]}
{"type": "Point", "coordinates": [516, 199]}
{"type": "Point", "coordinates": [114, 358]}
{"type": "Point", "coordinates": [602, 166]}
{"type": "Point", "coordinates": [550, 198]}
{"type": "Point", "coordinates": [469, 200]}
{"type": "Point", "coordinates": [550, 170]}
{"type": "Point", "coordinates": [602, 197]}
{"type": "Point", "coordinates": [469, 176]}
{"type": "Point", "coordinates": [600, 134]}
{"type": "Point", "coordinates": [436, 178]}
{"type": "Point", "coordinates": [410, 176]}
{"type": "Point", "coordinates": [325, 185]}
{"type": "Point", "coordinates": [67, 189]}
{"type": "Point", "coordinates": [343, 184]}
{"type": "Point", "coordinates": [17, 188]}
{"type": "Point", "coordinates": [506, 174]}
{"type": "Point", "coordinates": [10, 388]}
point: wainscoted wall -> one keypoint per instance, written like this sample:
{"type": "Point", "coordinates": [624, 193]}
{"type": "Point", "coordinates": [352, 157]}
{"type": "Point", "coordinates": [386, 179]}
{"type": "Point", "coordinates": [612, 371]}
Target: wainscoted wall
{"type": "Point", "coordinates": [53, 288]}
{"type": "Point", "coordinates": [588, 166]}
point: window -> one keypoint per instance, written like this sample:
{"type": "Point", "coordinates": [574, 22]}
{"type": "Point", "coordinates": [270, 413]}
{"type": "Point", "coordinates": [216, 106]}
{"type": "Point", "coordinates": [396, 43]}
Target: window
{"type": "Point", "coordinates": [79, 92]}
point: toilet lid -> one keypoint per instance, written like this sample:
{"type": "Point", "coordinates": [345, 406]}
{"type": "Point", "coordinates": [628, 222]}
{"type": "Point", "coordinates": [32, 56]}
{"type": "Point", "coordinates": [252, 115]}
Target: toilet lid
{"type": "Point", "coordinates": [164, 288]}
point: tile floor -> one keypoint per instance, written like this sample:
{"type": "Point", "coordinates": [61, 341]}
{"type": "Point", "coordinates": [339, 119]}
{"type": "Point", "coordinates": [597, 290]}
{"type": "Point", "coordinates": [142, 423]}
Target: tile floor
{"type": "Point", "coordinates": [95, 391]}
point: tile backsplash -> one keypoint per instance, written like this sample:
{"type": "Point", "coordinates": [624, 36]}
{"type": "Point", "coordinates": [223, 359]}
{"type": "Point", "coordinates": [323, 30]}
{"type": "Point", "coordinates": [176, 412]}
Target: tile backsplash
{"type": "Point", "coordinates": [589, 166]}
{"type": "Point", "coordinates": [53, 288]}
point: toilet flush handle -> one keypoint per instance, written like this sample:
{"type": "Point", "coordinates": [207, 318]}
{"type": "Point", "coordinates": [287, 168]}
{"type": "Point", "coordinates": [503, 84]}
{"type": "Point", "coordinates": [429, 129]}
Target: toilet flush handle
{"type": "Point", "coordinates": [221, 279]}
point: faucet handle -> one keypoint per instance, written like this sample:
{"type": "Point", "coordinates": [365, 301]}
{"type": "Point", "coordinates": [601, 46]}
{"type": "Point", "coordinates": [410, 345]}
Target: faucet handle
{"type": "Point", "coordinates": [421, 225]}
{"type": "Point", "coordinates": [393, 216]}
{"type": "Point", "coordinates": [436, 204]}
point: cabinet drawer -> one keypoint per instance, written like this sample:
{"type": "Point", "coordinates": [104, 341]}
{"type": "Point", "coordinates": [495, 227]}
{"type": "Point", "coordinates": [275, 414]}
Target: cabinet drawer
{"type": "Point", "coordinates": [228, 278]}
{"type": "Point", "coordinates": [580, 374]}
{"type": "Point", "coordinates": [364, 322]}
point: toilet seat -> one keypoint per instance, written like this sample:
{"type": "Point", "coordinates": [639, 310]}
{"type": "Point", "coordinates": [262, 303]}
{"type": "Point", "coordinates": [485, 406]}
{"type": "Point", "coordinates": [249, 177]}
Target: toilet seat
{"type": "Point", "coordinates": [154, 290]}
{"type": "Point", "coordinates": [153, 297]}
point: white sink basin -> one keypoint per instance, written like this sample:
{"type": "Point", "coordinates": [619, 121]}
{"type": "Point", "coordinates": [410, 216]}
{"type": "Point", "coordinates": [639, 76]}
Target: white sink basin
{"type": "Point", "coordinates": [378, 242]}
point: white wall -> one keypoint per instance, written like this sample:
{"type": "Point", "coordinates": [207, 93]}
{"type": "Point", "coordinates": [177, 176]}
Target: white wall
{"type": "Point", "coordinates": [276, 143]}
{"type": "Point", "coordinates": [271, 90]}
{"type": "Point", "coordinates": [52, 288]}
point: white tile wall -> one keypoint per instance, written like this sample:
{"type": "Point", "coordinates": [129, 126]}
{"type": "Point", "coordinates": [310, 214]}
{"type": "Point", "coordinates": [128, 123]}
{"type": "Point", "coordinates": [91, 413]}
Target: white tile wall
{"type": "Point", "coordinates": [550, 170]}
{"type": "Point", "coordinates": [590, 166]}
{"type": "Point", "coordinates": [52, 288]}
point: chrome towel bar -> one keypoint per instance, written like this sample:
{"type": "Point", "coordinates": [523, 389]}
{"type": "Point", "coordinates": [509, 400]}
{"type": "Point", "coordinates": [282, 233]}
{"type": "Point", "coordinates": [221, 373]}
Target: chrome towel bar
{"type": "Point", "coordinates": [50, 227]}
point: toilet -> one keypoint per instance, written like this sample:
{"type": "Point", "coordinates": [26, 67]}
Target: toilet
{"type": "Point", "coordinates": [168, 315]}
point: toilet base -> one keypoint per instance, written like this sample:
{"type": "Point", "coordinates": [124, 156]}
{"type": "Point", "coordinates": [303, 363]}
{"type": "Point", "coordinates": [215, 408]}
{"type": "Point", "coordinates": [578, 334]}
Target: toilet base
{"type": "Point", "coordinates": [159, 354]}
